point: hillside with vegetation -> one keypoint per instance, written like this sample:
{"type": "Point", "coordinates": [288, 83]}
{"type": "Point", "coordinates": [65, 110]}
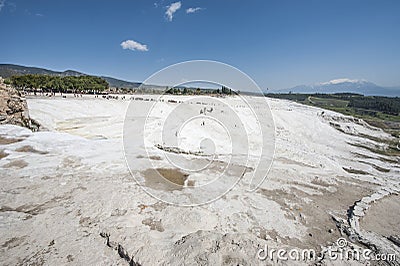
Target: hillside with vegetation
{"type": "Point", "coordinates": [49, 83]}
{"type": "Point", "coordinates": [9, 70]}
{"type": "Point", "coordinates": [383, 112]}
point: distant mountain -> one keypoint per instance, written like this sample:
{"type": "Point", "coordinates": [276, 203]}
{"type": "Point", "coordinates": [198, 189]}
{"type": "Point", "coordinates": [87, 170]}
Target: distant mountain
{"type": "Point", "coordinates": [345, 85]}
{"type": "Point", "coordinates": [8, 70]}
{"type": "Point", "coordinates": [112, 82]}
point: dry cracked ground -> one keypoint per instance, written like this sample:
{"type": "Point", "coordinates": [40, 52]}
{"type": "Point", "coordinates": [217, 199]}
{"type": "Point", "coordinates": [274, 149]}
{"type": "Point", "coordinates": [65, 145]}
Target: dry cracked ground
{"type": "Point", "coordinates": [68, 197]}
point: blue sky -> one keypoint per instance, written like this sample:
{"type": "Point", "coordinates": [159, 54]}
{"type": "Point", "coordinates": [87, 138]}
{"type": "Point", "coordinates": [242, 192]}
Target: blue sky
{"type": "Point", "coordinates": [278, 43]}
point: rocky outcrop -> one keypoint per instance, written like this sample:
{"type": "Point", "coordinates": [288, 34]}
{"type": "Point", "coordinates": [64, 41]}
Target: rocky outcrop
{"type": "Point", "coordinates": [14, 109]}
{"type": "Point", "coordinates": [178, 150]}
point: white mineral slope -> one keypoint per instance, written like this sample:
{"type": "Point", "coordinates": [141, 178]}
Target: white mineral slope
{"type": "Point", "coordinates": [67, 195]}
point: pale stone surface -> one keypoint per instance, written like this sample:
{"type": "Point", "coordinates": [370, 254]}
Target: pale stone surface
{"type": "Point", "coordinates": [74, 190]}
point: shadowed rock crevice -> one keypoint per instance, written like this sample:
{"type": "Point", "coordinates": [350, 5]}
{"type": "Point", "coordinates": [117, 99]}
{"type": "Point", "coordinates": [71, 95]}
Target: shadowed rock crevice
{"type": "Point", "coordinates": [120, 249]}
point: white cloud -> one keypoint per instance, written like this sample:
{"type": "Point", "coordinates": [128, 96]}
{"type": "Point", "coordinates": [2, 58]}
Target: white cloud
{"type": "Point", "coordinates": [172, 9]}
{"type": "Point", "coordinates": [193, 10]}
{"type": "Point", "coordinates": [134, 46]}
{"type": "Point", "coordinates": [2, 4]}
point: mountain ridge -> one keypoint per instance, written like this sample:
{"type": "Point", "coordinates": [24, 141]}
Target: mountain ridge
{"type": "Point", "coordinates": [8, 70]}
{"type": "Point", "coordinates": [344, 85]}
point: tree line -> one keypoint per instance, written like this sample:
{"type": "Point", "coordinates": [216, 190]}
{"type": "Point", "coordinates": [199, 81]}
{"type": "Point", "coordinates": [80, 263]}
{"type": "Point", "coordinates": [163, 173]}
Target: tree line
{"type": "Point", "coordinates": [58, 83]}
{"type": "Point", "coordinates": [198, 91]}
{"type": "Point", "coordinates": [383, 104]}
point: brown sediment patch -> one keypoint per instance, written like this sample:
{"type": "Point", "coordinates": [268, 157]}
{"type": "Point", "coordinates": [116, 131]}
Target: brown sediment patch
{"type": "Point", "coordinates": [151, 157]}
{"type": "Point", "coordinates": [164, 179]}
{"type": "Point", "coordinates": [85, 221]}
{"type": "Point", "coordinates": [70, 162]}
{"type": "Point", "coordinates": [35, 209]}
{"type": "Point", "coordinates": [377, 167]}
{"type": "Point", "coordinates": [27, 209]}
{"type": "Point", "coordinates": [3, 154]}
{"type": "Point", "coordinates": [354, 171]}
{"type": "Point", "coordinates": [364, 156]}
{"type": "Point", "coordinates": [13, 242]}
{"type": "Point", "coordinates": [315, 212]}
{"type": "Point", "coordinates": [320, 182]}
{"type": "Point", "coordinates": [158, 206]}
{"type": "Point", "coordinates": [378, 149]}
{"type": "Point", "coordinates": [28, 148]}
{"type": "Point", "coordinates": [153, 224]}
{"type": "Point", "coordinates": [312, 185]}
{"type": "Point", "coordinates": [290, 161]}
{"type": "Point", "coordinates": [381, 169]}
{"type": "Point", "coordinates": [16, 164]}
{"type": "Point", "coordinates": [387, 160]}
{"type": "Point", "coordinates": [383, 217]}
{"type": "Point", "coordinates": [155, 157]}
{"type": "Point", "coordinates": [231, 169]}
{"type": "Point", "coordinates": [382, 159]}
{"type": "Point", "coordinates": [5, 141]}
{"type": "Point", "coordinates": [190, 183]}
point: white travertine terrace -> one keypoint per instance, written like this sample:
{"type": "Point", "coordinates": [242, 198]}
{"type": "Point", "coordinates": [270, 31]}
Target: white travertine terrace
{"type": "Point", "coordinates": [69, 196]}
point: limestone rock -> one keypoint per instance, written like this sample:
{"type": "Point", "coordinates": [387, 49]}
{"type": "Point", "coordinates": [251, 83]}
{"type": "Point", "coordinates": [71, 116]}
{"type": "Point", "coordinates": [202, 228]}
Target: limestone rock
{"type": "Point", "coordinates": [14, 110]}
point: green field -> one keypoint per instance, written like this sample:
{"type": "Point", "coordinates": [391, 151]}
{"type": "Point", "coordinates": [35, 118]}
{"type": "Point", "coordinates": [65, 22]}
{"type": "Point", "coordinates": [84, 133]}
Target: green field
{"type": "Point", "coordinates": [327, 102]}
{"type": "Point", "coordinates": [382, 112]}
